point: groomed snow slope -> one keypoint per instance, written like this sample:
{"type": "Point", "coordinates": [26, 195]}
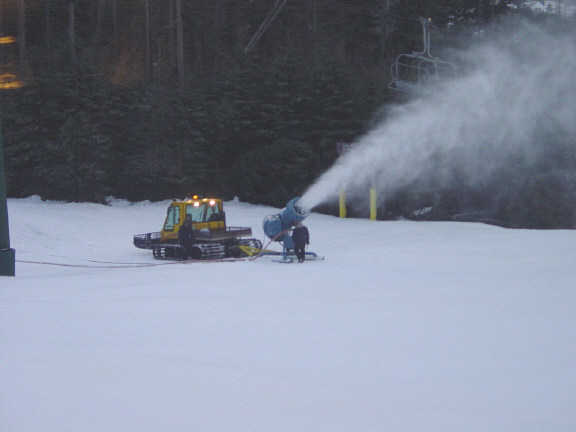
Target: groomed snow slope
{"type": "Point", "coordinates": [404, 327]}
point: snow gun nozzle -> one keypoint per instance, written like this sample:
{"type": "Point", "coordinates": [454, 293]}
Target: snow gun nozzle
{"type": "Point", "coordinates": [300, 209]}
{"type": "Point", "coordinates": [294, 212]}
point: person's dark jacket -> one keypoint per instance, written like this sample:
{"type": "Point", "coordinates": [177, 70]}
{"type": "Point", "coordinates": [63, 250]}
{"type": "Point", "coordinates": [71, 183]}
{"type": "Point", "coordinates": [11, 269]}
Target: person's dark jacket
{"type": "Point", "coordinates": [300, 236]}
{"type": "Point", "coordinates": [186, 235]}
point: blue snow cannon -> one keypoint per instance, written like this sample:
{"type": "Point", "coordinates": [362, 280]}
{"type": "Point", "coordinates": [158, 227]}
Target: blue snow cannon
{"type": "Point", "coordinates": [275, 225]}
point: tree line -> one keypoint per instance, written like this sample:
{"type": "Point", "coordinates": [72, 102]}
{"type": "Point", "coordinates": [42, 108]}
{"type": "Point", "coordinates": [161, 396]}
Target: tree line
{"type": "Point", "coordinates": [154, 99]}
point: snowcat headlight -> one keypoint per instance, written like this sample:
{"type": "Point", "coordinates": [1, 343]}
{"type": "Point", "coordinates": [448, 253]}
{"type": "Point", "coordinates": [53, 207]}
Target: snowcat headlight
{"type": "Point", "coordinates": [196, 204]}
{"type": "Point", "coordinates": [212, 202]}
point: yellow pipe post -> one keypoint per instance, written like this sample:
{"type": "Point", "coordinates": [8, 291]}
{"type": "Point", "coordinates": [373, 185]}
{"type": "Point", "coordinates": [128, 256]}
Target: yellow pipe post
{"type": "Point", "coordinates": [342, 204]}
{"type": "Point", "coordinates": [373, 202]}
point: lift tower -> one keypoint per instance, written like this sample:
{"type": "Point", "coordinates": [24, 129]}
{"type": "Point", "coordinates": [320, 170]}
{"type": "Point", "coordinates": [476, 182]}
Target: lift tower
{"type": "Point", "coordinates": [7, 254]}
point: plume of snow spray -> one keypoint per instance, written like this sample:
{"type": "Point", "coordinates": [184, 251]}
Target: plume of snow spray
{"type": "Point", "coordinates": [517, 85]}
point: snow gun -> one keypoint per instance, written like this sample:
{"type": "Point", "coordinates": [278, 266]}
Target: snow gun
{"type": "Point", "coordinates": [278, 228]}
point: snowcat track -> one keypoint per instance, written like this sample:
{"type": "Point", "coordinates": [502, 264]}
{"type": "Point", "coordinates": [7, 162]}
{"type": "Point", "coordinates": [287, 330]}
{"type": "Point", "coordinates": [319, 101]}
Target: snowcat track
{"type": "Point", "coordinates": [200, 251]}
{"type": "Point", "coordinates": [208, 251]}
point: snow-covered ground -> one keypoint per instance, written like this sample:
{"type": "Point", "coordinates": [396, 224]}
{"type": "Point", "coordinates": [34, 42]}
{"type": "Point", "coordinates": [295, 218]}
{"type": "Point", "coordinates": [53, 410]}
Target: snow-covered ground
{"type": "Point", "coordinates": [404, 326]}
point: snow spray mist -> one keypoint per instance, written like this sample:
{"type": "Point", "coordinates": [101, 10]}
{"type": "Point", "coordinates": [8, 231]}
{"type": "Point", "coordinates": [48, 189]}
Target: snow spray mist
{"type": "Point", "coordinates": [517, 84]}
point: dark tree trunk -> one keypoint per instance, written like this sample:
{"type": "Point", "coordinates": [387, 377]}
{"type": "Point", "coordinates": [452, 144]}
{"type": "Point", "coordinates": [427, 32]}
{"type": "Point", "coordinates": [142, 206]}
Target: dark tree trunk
{"type": "Point", "coordinates": [147, 36]}
{"type": "Point", "coordinates": [72, 41]}
{"type": "Point", "coordinates": [21, 35]}
{"type": "Point", "coordinates": [179, 45]}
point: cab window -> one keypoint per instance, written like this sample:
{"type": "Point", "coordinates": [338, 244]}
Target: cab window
{"type": "Point", "coordinates": [196, 212]}
{"type": "Point", "coordinates": [213, 213]}
{"type": "Point", "coordinates": [172, 219]}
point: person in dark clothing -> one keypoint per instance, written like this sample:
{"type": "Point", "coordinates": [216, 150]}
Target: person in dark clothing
{"type": "Point", "coordinates": [301, 238]}
{"type": "Point", "coordinates": [186, 235]}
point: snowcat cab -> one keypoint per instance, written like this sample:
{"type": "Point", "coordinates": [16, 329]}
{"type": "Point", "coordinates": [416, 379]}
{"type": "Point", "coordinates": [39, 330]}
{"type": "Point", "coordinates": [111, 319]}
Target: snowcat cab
{"type": "Point", "coordinates": [206, 215]}
{"type": "Point", "coordinates": [212, 238]}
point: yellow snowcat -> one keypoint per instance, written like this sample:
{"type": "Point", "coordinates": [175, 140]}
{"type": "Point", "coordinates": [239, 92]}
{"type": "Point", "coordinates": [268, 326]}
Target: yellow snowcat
{"type": "Point", "coordinates": [211, 238]}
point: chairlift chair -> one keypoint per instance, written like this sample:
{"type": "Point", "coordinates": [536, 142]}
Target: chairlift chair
{"type": "Point", "coordinates": [420, 72]}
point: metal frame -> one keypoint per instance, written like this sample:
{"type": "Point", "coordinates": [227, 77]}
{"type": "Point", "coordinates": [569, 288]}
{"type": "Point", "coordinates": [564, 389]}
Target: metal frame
{"type": "Point", "coordinates": [420, 72]}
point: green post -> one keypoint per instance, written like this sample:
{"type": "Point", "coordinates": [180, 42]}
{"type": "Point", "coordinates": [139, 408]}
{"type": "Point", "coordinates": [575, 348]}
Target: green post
{"type": "Point", "coordinates": [7, 254]}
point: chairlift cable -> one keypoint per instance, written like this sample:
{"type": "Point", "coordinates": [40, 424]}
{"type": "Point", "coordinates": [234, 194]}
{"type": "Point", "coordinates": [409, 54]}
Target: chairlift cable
{"type": "Point", "coordinates": [265, 24]}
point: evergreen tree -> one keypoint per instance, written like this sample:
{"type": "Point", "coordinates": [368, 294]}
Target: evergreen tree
{"type": "Point", "coordinates": [125, 99]}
